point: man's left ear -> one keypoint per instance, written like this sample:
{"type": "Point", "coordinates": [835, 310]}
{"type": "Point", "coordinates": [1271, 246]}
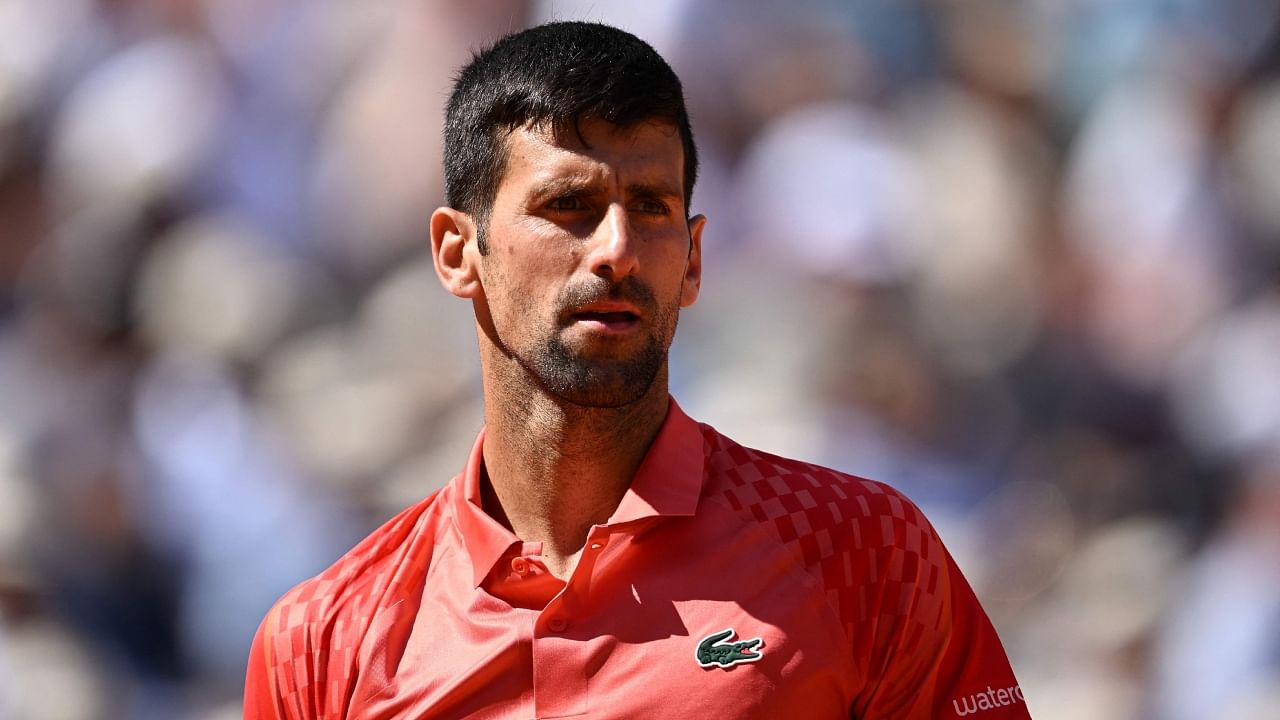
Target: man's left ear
{"type": "Point", "coordinates": [693, 268]}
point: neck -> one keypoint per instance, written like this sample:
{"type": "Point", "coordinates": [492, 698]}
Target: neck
{"type": "Point", "coordinates": [554, 469]}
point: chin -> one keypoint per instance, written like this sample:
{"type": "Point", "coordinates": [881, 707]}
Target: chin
{"type": "Point", "coordinates": [604, 389]}
{"type": "Point", "coordinates": [601, 401]}
{"type": "Point", "coordinates": [599, 383]}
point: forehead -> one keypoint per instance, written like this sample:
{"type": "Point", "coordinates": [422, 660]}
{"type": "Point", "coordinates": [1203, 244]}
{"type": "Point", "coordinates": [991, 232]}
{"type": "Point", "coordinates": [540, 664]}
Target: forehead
{"type": "Point", "coordinates": [649, 150]}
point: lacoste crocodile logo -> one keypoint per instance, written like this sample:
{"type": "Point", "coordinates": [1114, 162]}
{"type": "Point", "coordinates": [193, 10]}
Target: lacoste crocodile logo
{"type": "Point", "coordinates": [711, 654]}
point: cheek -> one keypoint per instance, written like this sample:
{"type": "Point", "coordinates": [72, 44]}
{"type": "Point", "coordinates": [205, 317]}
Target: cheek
{"type": "Point", "coordinates": [519, 298]}
{"type": "Point", "coordinates": [674, 266]}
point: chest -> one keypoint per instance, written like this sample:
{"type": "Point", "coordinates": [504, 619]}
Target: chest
{"type": "Point", "coordinates": [727, 631]}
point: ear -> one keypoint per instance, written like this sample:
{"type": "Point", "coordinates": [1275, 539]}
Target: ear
{"type": "Point", "coordinates": [693, 269]}
{"type": "Point", "coordinates": [455, 252]}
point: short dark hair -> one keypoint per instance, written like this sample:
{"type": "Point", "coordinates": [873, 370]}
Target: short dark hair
{"type": "Point", "coordinates": [554, 74]}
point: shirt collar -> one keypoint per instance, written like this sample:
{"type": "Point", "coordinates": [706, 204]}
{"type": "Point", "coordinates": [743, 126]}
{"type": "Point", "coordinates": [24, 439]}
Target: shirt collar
{"type": "Point", "coordinates": [669, 480]}
{"type": "Point", "coordinates": [668, 483]}
{"type": "Point", "coordinates": [485, 538]}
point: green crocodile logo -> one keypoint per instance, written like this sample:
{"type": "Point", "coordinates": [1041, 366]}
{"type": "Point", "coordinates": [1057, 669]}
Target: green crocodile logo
{"type": "Point", "coordinates": [710, 653]}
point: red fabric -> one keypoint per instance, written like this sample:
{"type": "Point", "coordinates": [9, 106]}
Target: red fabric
{"type": "Point", "coordinates": [443, 613]}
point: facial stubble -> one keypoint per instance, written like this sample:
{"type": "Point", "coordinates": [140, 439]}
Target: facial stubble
{"type": "Point", "coordinates": [600, 379]}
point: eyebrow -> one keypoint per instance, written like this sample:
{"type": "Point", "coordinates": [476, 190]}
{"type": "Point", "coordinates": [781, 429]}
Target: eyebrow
{"type": "Point", "coordinates": [586, 184]}
{"type": "Point", "coordinates": [561, 186]}
{"type": "Point", "coordinates": [654, 190]}
{"type": "Point", "coordinates": [564, 185]}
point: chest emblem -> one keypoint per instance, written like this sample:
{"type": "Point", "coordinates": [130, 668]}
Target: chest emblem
{"type": "Point", "coordinates": [713, 650]}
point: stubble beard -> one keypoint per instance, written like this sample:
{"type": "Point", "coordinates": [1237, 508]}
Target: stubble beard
{"type": "Point", "coordinates": [598, 382]}
{"type": "Point", "coordinates": [603, 382]}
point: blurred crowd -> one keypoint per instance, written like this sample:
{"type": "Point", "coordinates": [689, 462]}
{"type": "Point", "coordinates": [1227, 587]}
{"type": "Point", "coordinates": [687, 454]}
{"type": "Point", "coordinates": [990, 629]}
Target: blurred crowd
{"type": "Point", "coordinates": [1020, 259]}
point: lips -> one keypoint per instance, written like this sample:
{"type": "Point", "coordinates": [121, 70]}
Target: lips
{"type": "Point", "coordinates": [607, 316]}
{"type": "Point", "coordinates": [609, 308]}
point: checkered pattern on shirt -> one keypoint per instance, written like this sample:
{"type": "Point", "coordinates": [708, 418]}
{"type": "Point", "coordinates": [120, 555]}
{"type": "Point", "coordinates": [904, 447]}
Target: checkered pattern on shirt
{"type": "Point", "coordinates": [317, 628]}
{"type": "Point", "coordinates": [882, 566]}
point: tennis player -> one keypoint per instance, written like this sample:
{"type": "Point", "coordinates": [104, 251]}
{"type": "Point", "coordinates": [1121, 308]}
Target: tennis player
{"type": "Point", "coordinates": [602, 554]}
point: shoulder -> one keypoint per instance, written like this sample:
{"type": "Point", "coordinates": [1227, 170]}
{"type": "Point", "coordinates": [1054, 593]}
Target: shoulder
{"type": "Point", "coordinates": [871, 549]}
{"type": "Point", "coordinates": [313, 632]}
{"type": "Point", "coordinates": [911, 619]}
{"type": "Point", "coordinates": [363, 570]}
{"type": "Point", "coordinates": [803, 498]}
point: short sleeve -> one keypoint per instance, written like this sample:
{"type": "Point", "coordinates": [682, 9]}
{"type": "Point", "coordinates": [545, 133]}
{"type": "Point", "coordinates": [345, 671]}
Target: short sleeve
{"type": "Point", "coordinates": [939, 655]}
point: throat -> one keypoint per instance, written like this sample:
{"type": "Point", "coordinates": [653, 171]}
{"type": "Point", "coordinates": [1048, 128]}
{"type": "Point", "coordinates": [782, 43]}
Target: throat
{"type": "Point", "coordinates": [550, 477]}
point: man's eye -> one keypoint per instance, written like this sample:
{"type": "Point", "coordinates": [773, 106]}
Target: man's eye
{"type": "Point", "coordinates": [569, 202]}
{"type": "Point", "coordinates": [651, 207]}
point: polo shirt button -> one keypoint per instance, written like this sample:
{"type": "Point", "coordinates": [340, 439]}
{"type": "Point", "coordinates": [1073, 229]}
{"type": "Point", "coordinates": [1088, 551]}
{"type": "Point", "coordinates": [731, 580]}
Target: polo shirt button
{"type": "Point", "coordinates": [519, 565]}
{"type": "Point", "coordinates": [557, 624]}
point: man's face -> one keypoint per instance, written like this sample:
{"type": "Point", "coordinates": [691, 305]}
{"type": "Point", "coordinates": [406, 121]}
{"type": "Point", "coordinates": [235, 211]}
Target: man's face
{"type": "Point", "coordinates": [590, 258]}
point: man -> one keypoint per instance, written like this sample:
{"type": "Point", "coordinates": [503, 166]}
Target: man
{"type": "Point", "coordinates": [602, 554]}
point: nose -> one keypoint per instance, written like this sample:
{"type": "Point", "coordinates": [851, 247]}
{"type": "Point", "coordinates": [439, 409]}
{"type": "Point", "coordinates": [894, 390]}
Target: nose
{"type": "Point", "coordinates": [613, 253]}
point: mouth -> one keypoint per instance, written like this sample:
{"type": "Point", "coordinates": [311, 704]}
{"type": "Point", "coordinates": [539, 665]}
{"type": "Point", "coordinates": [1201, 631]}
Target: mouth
{"type": "Point", "coordinates": [606, 319]}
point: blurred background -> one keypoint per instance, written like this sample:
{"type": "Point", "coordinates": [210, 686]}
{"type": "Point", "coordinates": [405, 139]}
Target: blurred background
{"type": "Point", "coordinates": [1020, 259]}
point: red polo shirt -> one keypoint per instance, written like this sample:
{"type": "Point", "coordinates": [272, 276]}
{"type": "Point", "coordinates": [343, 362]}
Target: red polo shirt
{"type": "Point", "coordinates": [729, 583]}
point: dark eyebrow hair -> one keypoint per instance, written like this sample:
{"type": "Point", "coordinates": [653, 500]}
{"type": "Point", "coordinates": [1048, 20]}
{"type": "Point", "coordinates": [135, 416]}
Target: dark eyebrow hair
{"type": "Point", "coordinates": [584, 184]}
{"type": "Point", "coordinates": [654, 190]}
{"type": "Point", "coordinates": [564, 185]}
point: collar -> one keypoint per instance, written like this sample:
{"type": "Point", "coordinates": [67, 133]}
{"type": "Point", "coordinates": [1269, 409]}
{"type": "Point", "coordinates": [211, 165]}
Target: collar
{"type": "Point", "coordinates": [667, 484]}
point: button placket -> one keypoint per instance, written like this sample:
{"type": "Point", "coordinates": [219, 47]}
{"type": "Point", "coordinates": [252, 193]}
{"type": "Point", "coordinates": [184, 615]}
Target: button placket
{"type": "Point", "coordinates": [560, 686]}
{"type": "Point", "coordinates": [559, 681]}
{"type": "Point", "coordinates": [558, 614]}
{"type": "Point", "coordinates": [596, 544]}
{"type": "Point", "coordinates": [583, 576]}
